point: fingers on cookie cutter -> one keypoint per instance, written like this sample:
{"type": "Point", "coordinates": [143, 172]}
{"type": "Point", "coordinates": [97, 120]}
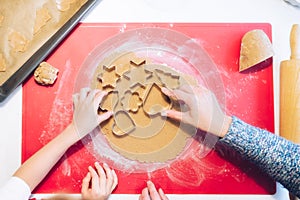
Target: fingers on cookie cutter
{"type": "Point", "coordinates": [109, 101]}
{"type": "Point", "coordinates": [123, 124]}
{"type": "Point", "coordinates": [156, 101]}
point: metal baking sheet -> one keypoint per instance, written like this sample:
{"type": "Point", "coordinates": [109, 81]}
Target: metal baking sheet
{"type": "Point", "coordinates": [28, 67]}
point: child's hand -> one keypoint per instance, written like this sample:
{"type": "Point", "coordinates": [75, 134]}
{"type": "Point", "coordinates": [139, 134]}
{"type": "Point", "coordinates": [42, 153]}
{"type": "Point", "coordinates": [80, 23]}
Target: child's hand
{"type": "Point", "coordinates": [204, 111]}
{"type": "Point", "coordinates": [150, 193]}
{"type": "Point", "coordinates": [85, 117]}
{"type": "Point", "coordinates": [98, 183]}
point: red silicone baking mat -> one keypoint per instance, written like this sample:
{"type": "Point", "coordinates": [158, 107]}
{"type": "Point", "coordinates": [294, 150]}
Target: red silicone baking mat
{"type": "Point", "coordinates": [249, 96]}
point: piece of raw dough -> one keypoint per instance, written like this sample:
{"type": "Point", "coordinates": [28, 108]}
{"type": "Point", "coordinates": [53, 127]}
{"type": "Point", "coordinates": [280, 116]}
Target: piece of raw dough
{"type": "Point", "coordinates": [2, 63]}
{"type": "Point", "coordinates": [255, 48]}
{"type": "Point", "coordinates": [18, 42]}
{"type": "Point", "coordinates": [1, 19]}
{"type": "Point", "coordinates": [64, 5]}
{"type": "Point", "coordinates": [42, 17]}
{"type": "Point", "coordinates": [45, 74]}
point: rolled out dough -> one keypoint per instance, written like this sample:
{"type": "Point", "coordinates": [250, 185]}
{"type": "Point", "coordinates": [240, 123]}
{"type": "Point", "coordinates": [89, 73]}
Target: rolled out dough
{"type": "Point", "coordinates": [154, 138]}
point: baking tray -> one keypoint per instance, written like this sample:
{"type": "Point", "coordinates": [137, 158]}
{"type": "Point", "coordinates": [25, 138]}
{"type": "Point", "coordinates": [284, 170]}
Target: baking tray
{"type": "Point", "coordinates": [27, 68]}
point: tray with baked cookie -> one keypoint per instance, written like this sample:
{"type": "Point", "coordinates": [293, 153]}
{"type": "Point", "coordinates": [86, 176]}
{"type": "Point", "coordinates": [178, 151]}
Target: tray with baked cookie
{"type": "Point", "coordinates": [30, 31]}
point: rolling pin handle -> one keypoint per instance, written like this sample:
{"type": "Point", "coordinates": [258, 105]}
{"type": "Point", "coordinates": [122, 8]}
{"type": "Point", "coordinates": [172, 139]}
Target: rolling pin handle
{"type": "Point", "coordinates": [295, 42]}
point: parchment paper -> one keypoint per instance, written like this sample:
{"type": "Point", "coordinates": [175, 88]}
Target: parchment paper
{"type": "Point", "coordinates": [17, 21]}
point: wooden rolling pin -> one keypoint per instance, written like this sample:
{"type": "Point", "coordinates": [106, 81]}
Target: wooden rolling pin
{"type": "Point", "coordinates": [290, 90]}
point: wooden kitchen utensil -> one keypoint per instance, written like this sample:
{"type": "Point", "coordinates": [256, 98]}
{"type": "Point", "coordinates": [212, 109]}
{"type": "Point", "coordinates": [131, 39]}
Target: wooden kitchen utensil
{"type": "Point", "coordinates": [290, 90]}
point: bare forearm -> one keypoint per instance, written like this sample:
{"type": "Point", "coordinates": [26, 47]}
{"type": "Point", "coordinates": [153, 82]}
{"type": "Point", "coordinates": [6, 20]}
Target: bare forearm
{"type": "Point", "coordinates": [38, 165]}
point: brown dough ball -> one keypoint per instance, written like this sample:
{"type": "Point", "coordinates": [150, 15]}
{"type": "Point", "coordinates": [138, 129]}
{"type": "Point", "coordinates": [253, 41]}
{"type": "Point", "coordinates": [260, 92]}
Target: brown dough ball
{"type": "Point", "coordinates": [45, 74]}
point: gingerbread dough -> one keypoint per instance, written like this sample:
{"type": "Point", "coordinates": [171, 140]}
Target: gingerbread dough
{"type": "Point", "coordinates": [42, 17]}
{"type": "Point", "coordinates": [1, 19]}
{"type": "Point", "coordinates": [45, 74]}
{"type": "Point", "coordinates": [151, 137]}
{"type": "Point", "coordinates": [2, 63]}
{"type": "Point", "coordinates": [18, 42]}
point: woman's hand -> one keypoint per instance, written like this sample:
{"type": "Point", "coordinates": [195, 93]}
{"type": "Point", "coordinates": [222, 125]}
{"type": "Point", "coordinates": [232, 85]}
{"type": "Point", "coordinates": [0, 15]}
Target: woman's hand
{"type": "Point", "coordinates": [204, 111]}
{"type": "Point", "coordinates": [85, 117]}
{"type": "Point", "coordinates": [99, 183]}
{"type": "Point", "coordinates": [150, 193]}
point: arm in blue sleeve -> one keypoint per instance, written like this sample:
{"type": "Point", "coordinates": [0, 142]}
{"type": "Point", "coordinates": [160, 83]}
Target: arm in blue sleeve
{"type": "Point", "coordinates": [276, 156]}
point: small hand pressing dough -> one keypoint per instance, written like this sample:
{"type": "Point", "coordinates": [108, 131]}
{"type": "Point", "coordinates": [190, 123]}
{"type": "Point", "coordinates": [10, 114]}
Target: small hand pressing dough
{"type": "Point", "coordinates": [45, 74]}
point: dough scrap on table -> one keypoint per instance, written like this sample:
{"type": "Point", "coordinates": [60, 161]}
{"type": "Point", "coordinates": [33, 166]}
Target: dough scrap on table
{"type": "Point", "coordinates": [18, 42]}
{"type": "Point", "coordinates": [45, 74]}
{"type": "Point", "coordinates": [42, 17]}
{"type": "Point", "coordinates": [2, 63]}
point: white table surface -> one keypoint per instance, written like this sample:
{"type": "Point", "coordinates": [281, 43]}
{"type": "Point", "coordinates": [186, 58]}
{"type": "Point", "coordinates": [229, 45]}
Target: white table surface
{"type": "Point", "coordinates": [276, 12]}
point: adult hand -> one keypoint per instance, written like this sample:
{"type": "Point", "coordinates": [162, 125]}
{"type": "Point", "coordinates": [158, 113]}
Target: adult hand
{"type": "Point", "coordinates": [204, 111]}
{"type": "Point", "coordinates": [98, 184]}
{"type": "Point", "coordinates": [150, 193]}
{"type": "Point", "coordinates": [85, 117]}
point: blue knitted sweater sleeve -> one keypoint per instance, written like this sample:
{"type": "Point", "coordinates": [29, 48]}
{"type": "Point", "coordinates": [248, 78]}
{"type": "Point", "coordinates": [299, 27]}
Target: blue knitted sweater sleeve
{"type": "Point", "coordinates": [276, 156]}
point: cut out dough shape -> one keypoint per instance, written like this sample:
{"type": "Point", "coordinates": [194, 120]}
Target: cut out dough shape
{"type": "Point", "coordinates": [2, 63]}
{"type": "Point", "coordinates": [131, 101]}
{"type": "Point", "coordinates": [64, 5]}
{"type": "Point", "coordinates": [109, 101]}
{"type": "Point", "coordinates": [255, 48]}
{"type": "Point", "coordinates": [18, 42]}
{"type": "Point", "coordinates": [123, 123]}
{"type": "Point", "coordinates": [42, 17]}
{"type": "Point", "coordinates": [1, 19]}
{"type": "Point", "coordinates": [109, 76]}
{"type": "Point", "coordinates": [155, 101]}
